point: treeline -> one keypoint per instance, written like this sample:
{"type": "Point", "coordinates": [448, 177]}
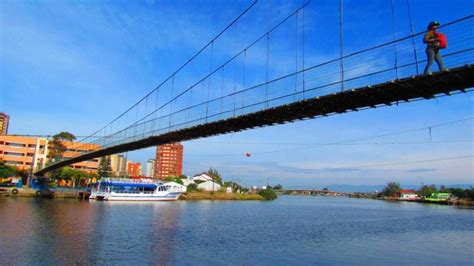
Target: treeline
{"type": "Point", "coordinates": [392, 189]}
{"type": "Point", "coordinates": [10, 171]}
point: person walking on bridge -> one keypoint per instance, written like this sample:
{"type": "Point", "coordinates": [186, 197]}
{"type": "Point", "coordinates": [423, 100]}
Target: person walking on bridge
{"type": "Point", "coordinates": [432, 47]}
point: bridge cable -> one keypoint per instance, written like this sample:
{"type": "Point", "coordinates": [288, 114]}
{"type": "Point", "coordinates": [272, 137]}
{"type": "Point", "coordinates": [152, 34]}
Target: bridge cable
{"type": "Point", "coordinates": [391, 42]}
{"type": "Point", "coordinates": [412, 31]}
{"type": "Point", "coordinates": [203, 95]}
{"type": "Point", "coordinates": [156, 104]}
{"type": "Point", "coordinates": [400, 39]}
{"type": "Point", "coordinates": [341, 41]}
{"type": "Point", "coordinates": [304, 82]}
{"type": "Point", "coordinates": [190, 97]}
{"type": "Point", "coordinates": [326, 63]}
{"type": "Point", "coordinates": [230, 60]}
{"type": "Point", "coordinates": [235, 63]}
{"type": "Point", "coordinates": [185, 64]}
{"type": "Point", "coordinates": [136, 117]}
{"type": "Point", "coordinates": [222, 88]}
{"type": "Point", "coordinates": [171, 105]}
{"type": "Point", "coordinates": [268, 51]}
{"type": "Point", "coordinates": [146, 107]}
{"type": "Point", "coordinates": [296, 55]}
{"type": "Point", "coordinates": [243, 81]}
{"type": "Point", "coordinates": [394, 38]}
{"type": "Point", "coordinates": [209, 81]}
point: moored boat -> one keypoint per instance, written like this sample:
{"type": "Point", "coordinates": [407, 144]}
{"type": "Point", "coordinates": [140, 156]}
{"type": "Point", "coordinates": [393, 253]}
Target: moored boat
{"type": "Point", "coordinates": [124, 189]}
{"type": "Point", "coordinates": [438, 197]}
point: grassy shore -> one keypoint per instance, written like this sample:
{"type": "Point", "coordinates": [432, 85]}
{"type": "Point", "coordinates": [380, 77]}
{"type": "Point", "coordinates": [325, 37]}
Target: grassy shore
{"type": "Point", "coordinates": [204, 195]}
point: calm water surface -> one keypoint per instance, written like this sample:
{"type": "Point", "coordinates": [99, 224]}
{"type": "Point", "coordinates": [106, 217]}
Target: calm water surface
{"type": "Point", "coordinates": [290, 230]}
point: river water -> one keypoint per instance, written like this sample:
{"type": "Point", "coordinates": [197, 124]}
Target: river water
{"type": "Point", "coordinates": [290, 230]}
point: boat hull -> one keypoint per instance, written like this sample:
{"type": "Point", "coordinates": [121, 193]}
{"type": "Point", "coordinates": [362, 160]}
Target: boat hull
{"type": "Point", "coordinates": [171, 196]}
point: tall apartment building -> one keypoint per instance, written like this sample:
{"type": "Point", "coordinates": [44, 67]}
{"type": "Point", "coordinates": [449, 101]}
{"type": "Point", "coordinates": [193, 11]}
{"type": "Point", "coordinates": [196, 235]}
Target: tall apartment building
{"type": "Point", "coordinates": [134, 169]}
{"type": "Point", "coordinates": [150, 168]}
{"type": "Point", "coordinates": [169, 160]}
{"type": "Point", "coordinates": [4, 120]}
{"type": "Point", "coordinates": [118, 163]}
{"type": "Point", "coordinates": [28, 152]}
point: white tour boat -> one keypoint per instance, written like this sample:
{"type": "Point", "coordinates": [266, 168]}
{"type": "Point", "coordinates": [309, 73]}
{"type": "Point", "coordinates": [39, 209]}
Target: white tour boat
{"type": "Point", "coordinates": [124, 189]}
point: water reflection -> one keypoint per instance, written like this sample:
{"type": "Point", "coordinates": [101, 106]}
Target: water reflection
{"type": "Point", "coordinates": [290, 230]}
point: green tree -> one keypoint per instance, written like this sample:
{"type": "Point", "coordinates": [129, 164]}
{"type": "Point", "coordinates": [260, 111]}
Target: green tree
{"type": "Point", "coordinates": [426, 190]}
{"type": "Point", "coordinates": [174, 179]}
{"type": "Point", "coordinates": [212, 172]}
{"type": "Point", "coordinates": [391, 189]}
{"type": "Point", "coordinates": [267, 194]}
{"type": "Point", "coordinates": [9, 171]}
{"type": "Point", "coordinates": [6, 170]}
{"type": "Point", "coordinates": [57, 146]}
{"type": "Point", "coordinates": [470, 193]}
{"type": "Point", "coordinates": [105, 168]}
{"type": "Point", "coordinates": [75, 175]}
{"type": "Point", "coordinates": [278, 187]}
{"type": "Point", "coordinates": [457, 192]}
{"type": "Point", "coordinates": [192, 187]}
{"type": "Point", "coordinates": [55, 174]}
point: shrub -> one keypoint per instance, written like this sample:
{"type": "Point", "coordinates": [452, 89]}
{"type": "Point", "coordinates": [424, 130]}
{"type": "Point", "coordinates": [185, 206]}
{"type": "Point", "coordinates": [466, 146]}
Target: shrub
{"type": "Point", "coordinates": [192, 187]}
{"type": "Point", "coordinates": [268, 194]}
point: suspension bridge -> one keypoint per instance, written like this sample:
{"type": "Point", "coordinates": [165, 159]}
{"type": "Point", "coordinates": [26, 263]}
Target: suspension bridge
{"type": "Point", "coordinates": [240, 89]}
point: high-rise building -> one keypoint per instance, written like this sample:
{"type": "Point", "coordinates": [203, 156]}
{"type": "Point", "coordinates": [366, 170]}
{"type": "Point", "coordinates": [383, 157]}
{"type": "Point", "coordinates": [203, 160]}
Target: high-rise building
{"type": "Point", "coordinates": [134, 169]}
{"type": "Point", "coordinates": [28, 152]}
{"type": "Point", "coordinates": [4, 119]}
{"type": "Point", "coordinates": [118, 165]}
{"type": "Point", "coordinates": [169, 160]}
{"type": "Point", "coordinates": [150, 168]}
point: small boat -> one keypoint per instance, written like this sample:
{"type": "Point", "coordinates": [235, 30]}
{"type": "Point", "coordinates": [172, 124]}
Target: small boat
{"type": "Point", "coordinates": [124, 189]}
{"type": "Point", "coordinates": [438, 197]}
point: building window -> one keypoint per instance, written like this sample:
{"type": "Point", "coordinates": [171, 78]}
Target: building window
{"type": "Point", "coordinates": [18, 145]}
{"type": "Point", "coordinates": [14, 154]}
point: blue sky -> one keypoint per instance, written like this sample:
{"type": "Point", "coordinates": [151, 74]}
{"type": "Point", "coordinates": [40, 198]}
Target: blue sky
{"type": "Point", "coordinates": [74, 66]}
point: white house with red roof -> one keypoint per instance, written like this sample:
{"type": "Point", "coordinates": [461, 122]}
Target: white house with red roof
{"type": "Point", "coordinates": [408, 194]}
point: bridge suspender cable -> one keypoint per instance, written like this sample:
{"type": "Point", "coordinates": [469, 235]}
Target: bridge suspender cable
{"type": "Point", "coordinates": [209, 81]}
{"type": "Point", "coordinates": [304, 82]}
{"type": "Point", "coordinates": [412, 31]}
{"type": "Point", "coordinates": [235, 65]}
{"type": "Point", "coordinates": [296, 54]}
{"type": "Point", "coordinates": [171, 105]}
{"type": "Point", "coordinates": [394, 38]}
{"type": "Point", "coordinates": [229, 60]}
{"type": "Point", "coordinates": [341, 41]}
{"type": "Point", "coordinates": [268, 51]}
{"type": "Point", "coordinates": [243, 80]}
{"type": "Point", "coordinates": [222, 89]}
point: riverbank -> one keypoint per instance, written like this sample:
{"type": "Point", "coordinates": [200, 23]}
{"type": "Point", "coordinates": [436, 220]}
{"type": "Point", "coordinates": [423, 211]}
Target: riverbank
{"type": "Point", "coordinates": [204, 195]}
{"type": "Point", "coordinates": [454, 202]}
{"type": "Point", "coordinates": [356, 195]}
{"type": "Point", "coordinates": [79, 194]}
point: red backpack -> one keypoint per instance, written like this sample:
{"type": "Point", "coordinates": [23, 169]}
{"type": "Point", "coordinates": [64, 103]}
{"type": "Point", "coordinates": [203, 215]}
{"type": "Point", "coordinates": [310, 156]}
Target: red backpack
{"type": "Point", "coordinates": [443, 43]}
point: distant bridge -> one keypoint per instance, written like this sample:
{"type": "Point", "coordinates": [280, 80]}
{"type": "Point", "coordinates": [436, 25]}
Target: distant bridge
{"type": "Point", "coordinates": [314, 192]}
{"type": "Point", "coordinates": [382, 75]}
